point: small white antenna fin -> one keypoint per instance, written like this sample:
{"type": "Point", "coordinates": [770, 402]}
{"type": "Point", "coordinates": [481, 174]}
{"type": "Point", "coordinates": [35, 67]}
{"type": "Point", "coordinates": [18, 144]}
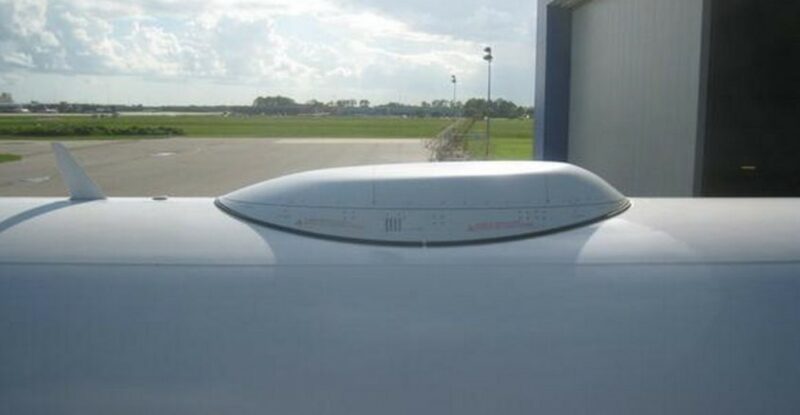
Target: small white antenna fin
{"type": "Point", "coordinates": [81, 187]}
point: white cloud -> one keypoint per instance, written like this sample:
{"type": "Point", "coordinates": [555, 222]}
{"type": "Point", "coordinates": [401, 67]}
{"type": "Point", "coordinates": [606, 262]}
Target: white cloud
{"type": "Point", "coordinates": [310, 48]}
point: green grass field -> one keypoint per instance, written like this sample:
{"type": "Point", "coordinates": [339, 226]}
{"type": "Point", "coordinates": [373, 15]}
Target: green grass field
{"type": "Point", "coordinates": [4, 157]}
{"type": "Point", "coordinates": [257, 126]}
{"type": "Point", "coordinates": [512, 139]}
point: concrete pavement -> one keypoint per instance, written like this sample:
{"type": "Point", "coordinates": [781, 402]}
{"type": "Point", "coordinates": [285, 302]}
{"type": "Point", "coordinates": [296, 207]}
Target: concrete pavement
{"type": "Point", "coordinates": [191, 166]}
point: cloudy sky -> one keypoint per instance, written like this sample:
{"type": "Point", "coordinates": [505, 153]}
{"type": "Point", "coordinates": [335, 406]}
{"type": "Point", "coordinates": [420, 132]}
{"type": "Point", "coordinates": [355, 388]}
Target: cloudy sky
{"type": "Point", "coordinates": [230, 51]}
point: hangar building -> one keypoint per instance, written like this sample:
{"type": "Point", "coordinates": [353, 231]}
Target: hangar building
{"type": "Point", "coordinates": [672, 97]}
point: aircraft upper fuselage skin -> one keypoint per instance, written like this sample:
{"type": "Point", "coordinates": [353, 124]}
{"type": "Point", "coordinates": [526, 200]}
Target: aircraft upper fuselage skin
{"type": "Point", "coordinates": [134, 305]}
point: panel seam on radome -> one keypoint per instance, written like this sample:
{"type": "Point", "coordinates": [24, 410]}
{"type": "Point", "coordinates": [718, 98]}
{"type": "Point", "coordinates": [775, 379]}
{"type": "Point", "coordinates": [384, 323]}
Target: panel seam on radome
{"type": "Point", "coordinates": [421, 208]}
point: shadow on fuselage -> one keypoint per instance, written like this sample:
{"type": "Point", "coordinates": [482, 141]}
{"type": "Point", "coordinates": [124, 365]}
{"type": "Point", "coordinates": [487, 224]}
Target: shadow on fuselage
{"type": "Point", "coordinates": [33, 213]}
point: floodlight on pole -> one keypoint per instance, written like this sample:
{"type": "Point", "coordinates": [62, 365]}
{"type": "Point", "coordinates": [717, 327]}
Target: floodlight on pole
{"type": "Point", "coordinates": [488, 58]}
{"type": "Point", "coordinates": [453, 80]}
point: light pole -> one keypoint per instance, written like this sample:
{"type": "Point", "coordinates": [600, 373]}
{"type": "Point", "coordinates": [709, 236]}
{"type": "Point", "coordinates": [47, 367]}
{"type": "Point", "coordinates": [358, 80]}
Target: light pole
{"type": "Point", "coordinates": [453, 80]}
{"type": "Point", "coordinates": [488, 58]}
{"type": "Point", "coordinates": [453, 103]}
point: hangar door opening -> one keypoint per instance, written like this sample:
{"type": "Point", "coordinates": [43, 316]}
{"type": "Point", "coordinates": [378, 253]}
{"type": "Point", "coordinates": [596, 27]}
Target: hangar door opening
{"type": "Point", "coordinates": [752, 132]}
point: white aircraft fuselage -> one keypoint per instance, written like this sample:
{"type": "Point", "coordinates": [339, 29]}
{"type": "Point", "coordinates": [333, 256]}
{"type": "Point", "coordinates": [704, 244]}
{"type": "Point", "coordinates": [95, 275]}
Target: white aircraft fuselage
{"type": "Point", "coordinates": [131, 306]}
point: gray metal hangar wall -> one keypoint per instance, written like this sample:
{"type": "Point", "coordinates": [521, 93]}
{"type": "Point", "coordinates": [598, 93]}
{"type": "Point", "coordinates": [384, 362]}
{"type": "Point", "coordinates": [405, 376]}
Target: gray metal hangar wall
{"type": "Point", "coordinates": [618, 90]}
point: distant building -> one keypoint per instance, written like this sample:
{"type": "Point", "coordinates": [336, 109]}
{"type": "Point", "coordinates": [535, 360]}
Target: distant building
{"type": "Point", "coordinates": [672, 98]}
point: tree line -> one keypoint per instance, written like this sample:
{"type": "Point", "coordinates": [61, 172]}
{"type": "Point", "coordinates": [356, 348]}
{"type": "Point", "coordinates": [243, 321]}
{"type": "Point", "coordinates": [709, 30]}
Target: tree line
{"type": "Point", "coordinates": [280, 105]}
{"type": "Point", "coordinates": [474, 108]}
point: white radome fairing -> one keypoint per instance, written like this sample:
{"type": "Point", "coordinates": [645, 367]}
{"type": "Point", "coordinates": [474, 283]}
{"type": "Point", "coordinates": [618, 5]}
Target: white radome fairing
{"type": "Point", "coordinates": [430, 203]}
